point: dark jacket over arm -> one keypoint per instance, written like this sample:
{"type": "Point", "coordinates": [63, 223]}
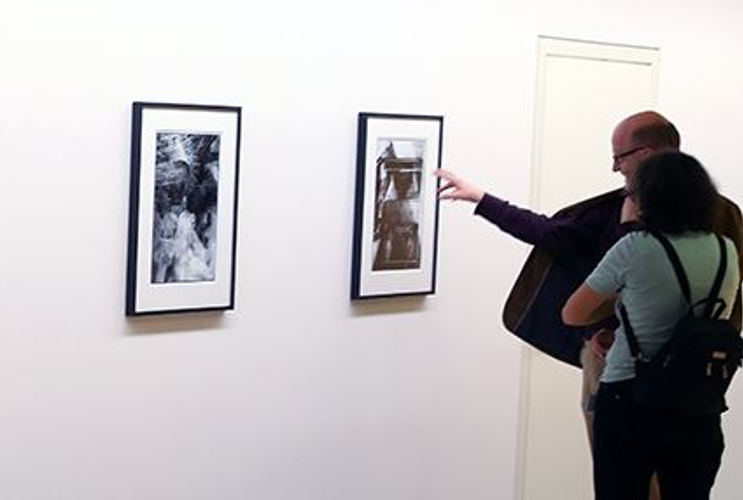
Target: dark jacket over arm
{"type": "Point", "coordinates": [552, 272]}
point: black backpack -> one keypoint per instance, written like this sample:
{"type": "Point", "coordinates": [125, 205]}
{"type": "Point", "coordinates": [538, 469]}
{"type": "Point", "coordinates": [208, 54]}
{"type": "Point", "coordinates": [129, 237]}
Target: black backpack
{"type": "Point", "coordinates": [692, 371]}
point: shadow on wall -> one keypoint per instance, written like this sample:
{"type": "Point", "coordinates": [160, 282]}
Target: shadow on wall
{"type": "Point", "coordinates": [174, 323]}
{"type": "Point", "coordinates": [388, 305]}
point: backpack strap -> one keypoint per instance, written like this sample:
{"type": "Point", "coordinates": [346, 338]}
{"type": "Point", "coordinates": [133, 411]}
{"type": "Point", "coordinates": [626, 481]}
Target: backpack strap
{"type": "Point", "coordinates": [675, 262]}
{"type": "Point", "coordinates": [710, 301]}
{"type": "Point", "coordinates": [634, 346]}
{"type": "Point", "coordinates": [713, 297]}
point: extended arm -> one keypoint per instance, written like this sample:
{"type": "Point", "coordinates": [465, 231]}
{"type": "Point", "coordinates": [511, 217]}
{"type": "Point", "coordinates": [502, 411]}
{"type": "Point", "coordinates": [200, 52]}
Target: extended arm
{"type": "Point", "coordinates": [575, 233]}
{"type": "Point", "coordinates": [558, 234]}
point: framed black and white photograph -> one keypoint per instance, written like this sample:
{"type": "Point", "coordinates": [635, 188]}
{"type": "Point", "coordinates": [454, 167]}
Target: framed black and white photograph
{"type": "Point", "coordinates": [183, 208]}
{"type": "Point", "coordinates": [396, 214]}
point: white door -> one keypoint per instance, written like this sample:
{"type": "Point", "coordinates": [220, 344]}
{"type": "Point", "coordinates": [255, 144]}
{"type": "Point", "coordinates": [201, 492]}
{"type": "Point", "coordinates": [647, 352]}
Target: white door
{"type": "Point", "coordinates": [584, 89]}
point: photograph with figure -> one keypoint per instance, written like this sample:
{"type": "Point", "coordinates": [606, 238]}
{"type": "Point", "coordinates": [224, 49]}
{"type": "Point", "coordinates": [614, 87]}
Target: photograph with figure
{"type": "Point", "coordinates": [185, 207]}
{"type": "Point", "coordinates": [396, 239]}
{"type": "Point", "coordinates": [395, 232]}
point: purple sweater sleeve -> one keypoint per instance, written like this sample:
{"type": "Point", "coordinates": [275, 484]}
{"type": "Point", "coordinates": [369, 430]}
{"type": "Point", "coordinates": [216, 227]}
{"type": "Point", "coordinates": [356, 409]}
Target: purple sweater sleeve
{"type": "Point", "coordinates": [557, 234]}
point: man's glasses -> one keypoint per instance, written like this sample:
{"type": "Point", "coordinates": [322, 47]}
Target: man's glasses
{"type": "Point", "coordinates": [619, 157]}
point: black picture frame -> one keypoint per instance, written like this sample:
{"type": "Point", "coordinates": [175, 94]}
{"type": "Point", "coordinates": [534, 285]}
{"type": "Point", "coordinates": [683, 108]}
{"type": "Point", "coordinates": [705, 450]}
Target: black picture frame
{"type": "Point", "coordinates": [396, 215]}
{"type": "Point", "coordinates": [183, 200]}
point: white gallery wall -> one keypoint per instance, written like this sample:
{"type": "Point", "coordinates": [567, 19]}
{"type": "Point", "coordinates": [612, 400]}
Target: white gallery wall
{"type": "Point", "coordinates": [298, 393]}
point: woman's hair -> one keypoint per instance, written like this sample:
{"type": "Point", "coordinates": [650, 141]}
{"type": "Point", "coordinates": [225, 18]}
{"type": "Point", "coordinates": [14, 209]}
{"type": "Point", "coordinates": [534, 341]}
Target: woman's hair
{"type": "Point", "coordinates": [675, 194]}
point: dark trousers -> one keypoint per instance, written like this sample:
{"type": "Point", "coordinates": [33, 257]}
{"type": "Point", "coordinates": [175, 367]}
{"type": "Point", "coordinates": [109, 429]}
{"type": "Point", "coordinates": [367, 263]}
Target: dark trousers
{"type": "Point", "coordinates": [632, 441]}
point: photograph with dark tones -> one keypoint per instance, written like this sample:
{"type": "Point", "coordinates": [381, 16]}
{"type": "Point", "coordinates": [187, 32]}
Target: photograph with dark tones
{"type": "Point", "coordinates": [184, 229]}
{"type": "Point", "coordinates": [396, 240]}
{"type": "Point", "coordinates": [396, 213]}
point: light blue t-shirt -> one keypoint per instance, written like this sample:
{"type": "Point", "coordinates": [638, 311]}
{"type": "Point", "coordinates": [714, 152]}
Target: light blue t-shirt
{"type": "Point", "coordinates": [637, 267]}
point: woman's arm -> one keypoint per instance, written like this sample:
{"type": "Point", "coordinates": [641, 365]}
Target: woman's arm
{"type": "Point", "coordinates": [587, 307]}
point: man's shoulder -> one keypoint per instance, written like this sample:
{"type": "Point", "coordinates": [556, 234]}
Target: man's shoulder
{"type": "Point", "coordinates": [729, 205]}
{"type": "Point", "coordinates": [729, 222]}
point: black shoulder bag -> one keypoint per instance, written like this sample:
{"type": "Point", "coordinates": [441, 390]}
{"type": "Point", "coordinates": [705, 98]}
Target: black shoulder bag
{"type": "Point", "coordinates": [692, 371]}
